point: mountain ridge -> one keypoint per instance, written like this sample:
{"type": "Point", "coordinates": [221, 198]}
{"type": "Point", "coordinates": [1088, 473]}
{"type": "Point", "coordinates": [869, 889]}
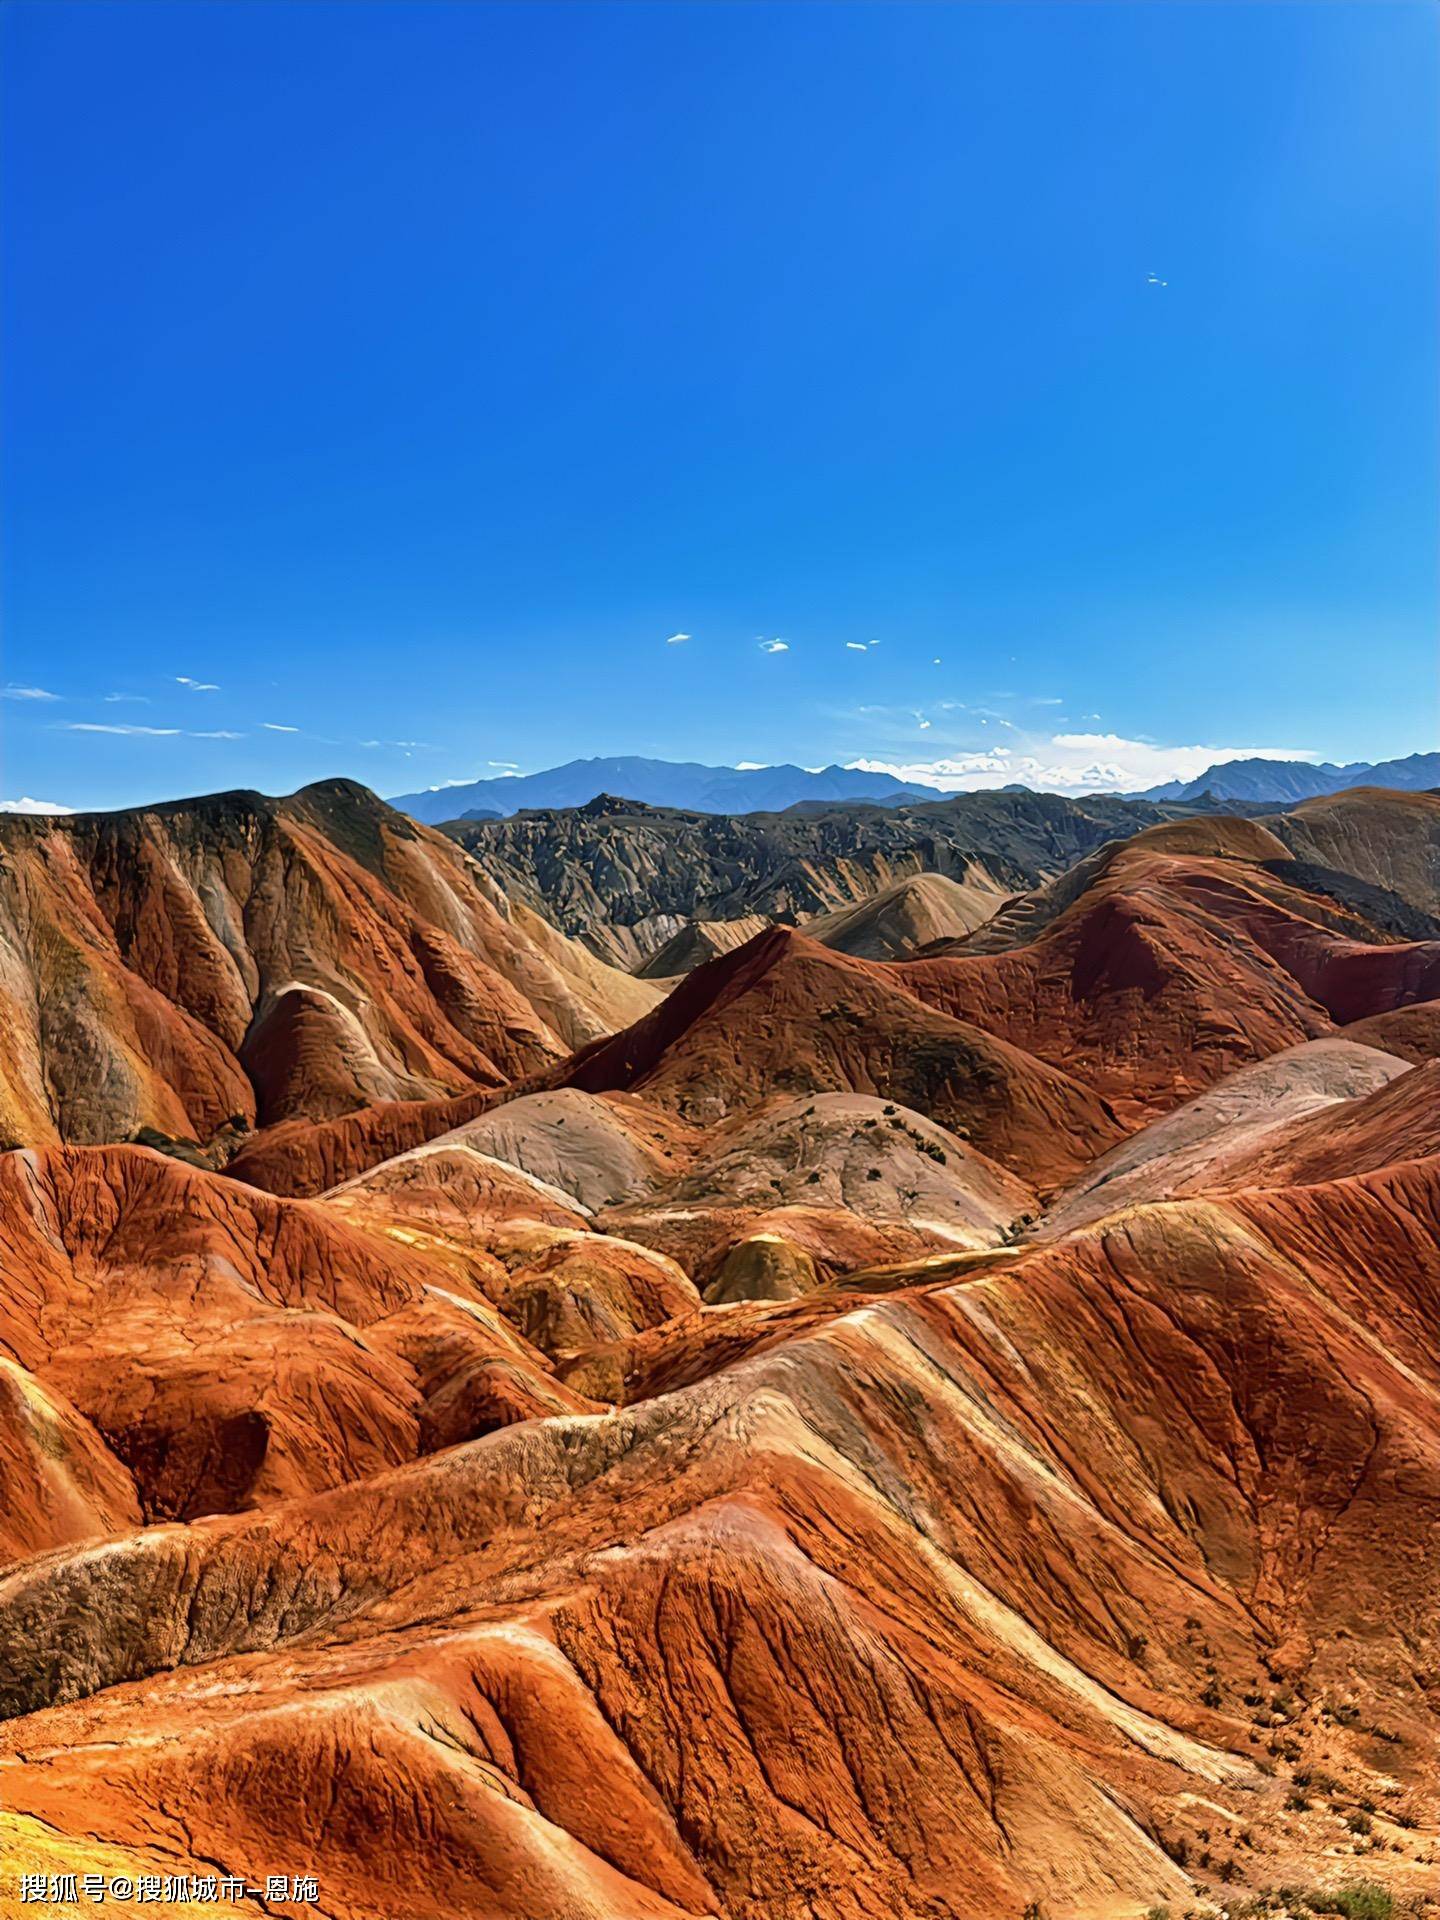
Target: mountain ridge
{"type": "Point", "coordinates": [665, 783]}
{"type": "Point", "coordinates": [1259, 781]}
{"type": "Point", "coordinates": [701, 788]}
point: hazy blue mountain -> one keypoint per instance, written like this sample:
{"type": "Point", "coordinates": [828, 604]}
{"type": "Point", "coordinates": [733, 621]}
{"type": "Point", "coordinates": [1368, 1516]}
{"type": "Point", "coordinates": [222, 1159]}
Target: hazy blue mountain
{"type": "Point", "coordinates": [1288, 781]}
{"type": "Point", "coordinates": [658, 783]}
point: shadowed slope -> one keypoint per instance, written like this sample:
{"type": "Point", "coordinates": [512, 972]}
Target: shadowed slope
{"type": "Point", "coordinates": [1152, 974]}
{"type": "Point", "coordinates": [225, 1347]}
{"type": "Point", "coordinates": [783, 1015]}
{"type": "Point", "coordinates": [1391, 840]}
{"type": "Point", "coordinates": [238, 958]}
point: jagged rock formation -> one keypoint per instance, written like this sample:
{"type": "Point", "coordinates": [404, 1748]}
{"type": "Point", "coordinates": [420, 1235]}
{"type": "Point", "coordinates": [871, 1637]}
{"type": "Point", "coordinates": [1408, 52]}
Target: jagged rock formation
{"type": "Point", "coordinates": [627, 878]}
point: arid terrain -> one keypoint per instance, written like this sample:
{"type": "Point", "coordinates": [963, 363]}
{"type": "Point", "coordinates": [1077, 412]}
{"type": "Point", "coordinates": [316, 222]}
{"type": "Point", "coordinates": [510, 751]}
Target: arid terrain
{"type": "Point", "coordinates": [855, 1364]}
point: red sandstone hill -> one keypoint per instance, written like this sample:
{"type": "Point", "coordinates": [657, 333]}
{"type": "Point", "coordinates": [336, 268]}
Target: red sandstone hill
{"type": "Point", "coordinates": [1153, 969]}
{"type": "Point", "coordinates": [1411, 1031]}
{"type": "Point", "coordinates": [1057, 1584]}
{"type": "Point", "coordinates": [1172, 960]}
{"type": "Point", "coordinates": [778, 1015]}
{"type": "Point", "coordinates": [947, 1558]}
{"type": "Point", "coordinates": [785, 1015]}
{"type": "Point", "coordinates": [243, 959]}
{"type": "Point", "coordinates": [180, 1344]}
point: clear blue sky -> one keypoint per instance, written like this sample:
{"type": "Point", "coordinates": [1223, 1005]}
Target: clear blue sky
{"type": "Point", "coordinates": [409, 374]}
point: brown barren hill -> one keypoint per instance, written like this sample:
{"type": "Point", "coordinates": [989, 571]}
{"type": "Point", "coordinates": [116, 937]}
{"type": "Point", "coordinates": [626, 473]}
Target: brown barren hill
{"type": "Point", "coordinates": [1413, 1032]}
{"type": "Point", "coordinates": [221, 1344]}
{"type": "Point", "coordinates": [784, 1015]}
{"type": "Point", "coordinates": [213, 963]}
{"type": "Point", "coordinates": [1156, 972]}
{"type": "Point", "coordinates": [962, 1592]}
{"type": "Point", "coordinates": [682, 1472]}
{"type": "Point", "coordinates": [1390, 840]}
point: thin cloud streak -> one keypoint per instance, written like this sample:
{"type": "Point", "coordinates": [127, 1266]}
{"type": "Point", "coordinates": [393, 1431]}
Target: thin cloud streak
{"type": "Point", "coordinates": [150, 733]}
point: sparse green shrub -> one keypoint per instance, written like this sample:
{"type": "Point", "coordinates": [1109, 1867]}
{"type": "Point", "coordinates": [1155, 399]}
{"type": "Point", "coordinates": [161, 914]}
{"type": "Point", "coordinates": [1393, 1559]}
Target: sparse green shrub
{"type": "Point", "coordinates": [1362, 1900]}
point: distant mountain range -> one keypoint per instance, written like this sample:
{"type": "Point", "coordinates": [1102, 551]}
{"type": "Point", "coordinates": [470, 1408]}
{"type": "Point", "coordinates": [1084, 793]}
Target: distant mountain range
{"type": "Point", "coordinates": [1260, 781]}
{"type": "Point", "coordinates": [627, 878]}
{"type": "Point", "coordinates": [700, 789]}
{"type": "Point", "coordinates": [658, 783]}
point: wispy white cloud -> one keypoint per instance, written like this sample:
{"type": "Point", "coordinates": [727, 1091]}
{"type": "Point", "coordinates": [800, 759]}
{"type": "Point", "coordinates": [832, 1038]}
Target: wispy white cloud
{"type": "Point", "coordinates": [27, 693]}
{"type": "Point", "coordinates": [1154, 280]}
{"type": "Point", "coordinates": [677, 639]}
{"type": "Point", "coordinates": [506, 766]}
{"type": "Point", "coordinates": [27, 805]}
{"type": "Point", "coordinates": [1071, 763]}
{"type": "Point", "coordinates": [856, 646]}
{"type": "Point", "coordinates": [195, 686]}
{"type": "Point", "coordinates": [127, 699]}
{"type": "Point", "coordinates": [274, 726]}
{"type": "Point", "coordinates": [774, 646]}
{"type": "Point", "coordinates": [150, 733]}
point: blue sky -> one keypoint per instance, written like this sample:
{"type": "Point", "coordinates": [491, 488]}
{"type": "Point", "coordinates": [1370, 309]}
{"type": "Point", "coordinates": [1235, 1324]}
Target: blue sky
{"type": "Point", "coordinates": [386, 385]}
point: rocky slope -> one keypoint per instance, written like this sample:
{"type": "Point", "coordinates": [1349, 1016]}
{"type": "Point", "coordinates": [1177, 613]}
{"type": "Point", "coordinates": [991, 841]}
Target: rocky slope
{"type": "Point", "coordinates": [222, 963]}
{"type": "Point", "coordinates": [626, 878]}
{"type": "Point", "coordinates": [1028, 1587]}
{"type": "Point", "coordinates": [1390, 841]}
{"type": "Point", "coordinates": [941, 1437]}
{"type": "Point", "coordinates": [1161, 964]}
